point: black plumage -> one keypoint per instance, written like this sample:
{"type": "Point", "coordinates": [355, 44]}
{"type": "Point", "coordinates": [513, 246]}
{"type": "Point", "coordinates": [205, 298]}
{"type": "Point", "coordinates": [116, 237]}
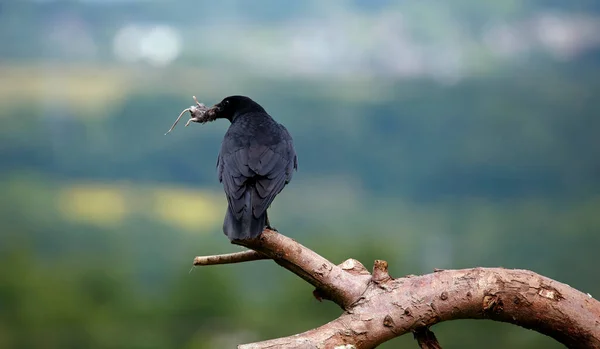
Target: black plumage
{"type": "Point", "coordinates": [257, 159]}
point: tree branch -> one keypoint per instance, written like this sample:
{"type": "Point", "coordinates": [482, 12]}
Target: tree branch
{"type": "Point", "coordinates": [379, 308]}
{"type": "Point", "coordinates": [410, 304]}
{"type": "Point", "coordinates": [332, 281]}
{"type": "Point", "coordinates": [237, 257]}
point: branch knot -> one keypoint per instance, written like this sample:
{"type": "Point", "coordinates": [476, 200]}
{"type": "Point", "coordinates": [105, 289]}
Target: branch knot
{"type": "Point", "coordinates": [380, 272]}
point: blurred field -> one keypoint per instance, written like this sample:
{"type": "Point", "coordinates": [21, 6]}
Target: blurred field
{"type": "Point", "coordinates": [106, 205]}
{"type": "Point", "coordinates": [429, 135]}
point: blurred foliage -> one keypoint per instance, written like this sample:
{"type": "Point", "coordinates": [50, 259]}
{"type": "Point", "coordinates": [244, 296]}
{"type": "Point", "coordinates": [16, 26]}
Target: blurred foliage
{"type": "Point", "coordinates": [101, 214]}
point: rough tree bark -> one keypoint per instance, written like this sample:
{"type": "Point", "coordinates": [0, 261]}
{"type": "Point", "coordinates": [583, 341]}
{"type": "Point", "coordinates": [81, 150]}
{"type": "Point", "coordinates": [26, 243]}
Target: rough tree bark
{"type": "Point", "coordinates": [378, 307]}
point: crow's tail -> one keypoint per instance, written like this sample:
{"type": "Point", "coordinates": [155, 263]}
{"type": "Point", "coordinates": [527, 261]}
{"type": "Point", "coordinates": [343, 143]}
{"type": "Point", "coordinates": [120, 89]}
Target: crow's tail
{"type": "Point", "coordinates": [248, 226]}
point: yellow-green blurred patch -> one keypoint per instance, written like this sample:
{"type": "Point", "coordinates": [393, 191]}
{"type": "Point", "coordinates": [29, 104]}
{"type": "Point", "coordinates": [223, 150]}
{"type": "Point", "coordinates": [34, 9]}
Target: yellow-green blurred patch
{"type": "Point", "coordinates": [93, 203]}
{"type": "Point", "coordinates": [88, 89]}
{"type": "Point", "coordinates": [108, 204]}
{"type": "Point", "coordinates": [189, 209]}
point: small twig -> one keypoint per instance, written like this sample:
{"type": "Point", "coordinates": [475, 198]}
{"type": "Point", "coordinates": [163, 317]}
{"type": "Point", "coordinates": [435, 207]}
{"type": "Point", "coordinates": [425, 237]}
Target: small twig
{"type": "Point", "coordinates": [426, 339]}
{"type": "Point", "coordinates": [237, 257]}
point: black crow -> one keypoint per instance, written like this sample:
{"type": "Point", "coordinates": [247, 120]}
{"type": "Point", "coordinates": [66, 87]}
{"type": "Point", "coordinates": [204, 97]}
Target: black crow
{"type": "Point", "coordinates": [257, 159]}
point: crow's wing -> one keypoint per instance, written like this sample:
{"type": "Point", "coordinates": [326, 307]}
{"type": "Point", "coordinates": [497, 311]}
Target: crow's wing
{"type": "Point", "coordinates": [263, 170]}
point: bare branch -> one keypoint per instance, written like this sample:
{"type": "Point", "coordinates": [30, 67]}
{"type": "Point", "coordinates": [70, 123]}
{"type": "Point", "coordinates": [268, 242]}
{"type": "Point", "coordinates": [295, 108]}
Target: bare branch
{"type": "Point", "coordinates": [332, 282]}
{"type": "Point", "coordinates": [379, 307]}
{"type": "Point", "coordinates": [237, 257]}
{"type": "Point", "coordinates": [407, 304]}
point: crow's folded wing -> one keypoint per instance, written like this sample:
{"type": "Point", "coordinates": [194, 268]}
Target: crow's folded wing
{"type": "Point", "coordinates": [262, 170]}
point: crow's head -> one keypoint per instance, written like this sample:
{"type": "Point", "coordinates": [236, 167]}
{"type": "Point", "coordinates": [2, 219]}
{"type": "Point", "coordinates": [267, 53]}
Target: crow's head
{"type": "Point", "coordinates": [230, 107]}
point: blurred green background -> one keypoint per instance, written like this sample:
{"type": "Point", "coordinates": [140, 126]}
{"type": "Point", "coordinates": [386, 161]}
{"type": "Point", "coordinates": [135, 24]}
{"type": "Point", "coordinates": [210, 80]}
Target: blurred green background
{"type": "Point", "coordinates": [431, 134]}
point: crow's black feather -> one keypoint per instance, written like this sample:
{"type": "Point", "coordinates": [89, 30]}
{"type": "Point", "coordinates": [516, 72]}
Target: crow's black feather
{"type": "Point", "coordinates": [256, 161]}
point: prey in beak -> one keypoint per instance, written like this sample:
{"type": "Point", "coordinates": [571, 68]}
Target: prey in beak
{"type": "Point", "coordinates": [199, 113]}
